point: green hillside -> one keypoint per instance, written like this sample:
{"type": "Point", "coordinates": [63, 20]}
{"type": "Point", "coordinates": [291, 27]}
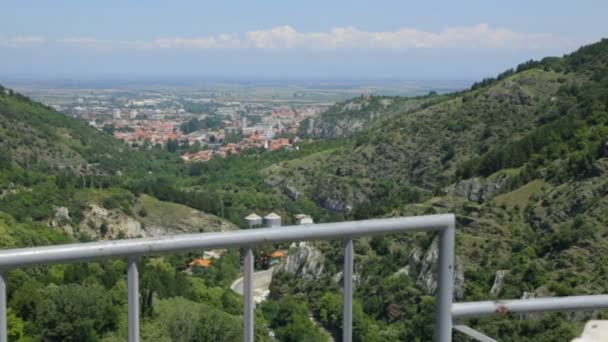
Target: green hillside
{"type": "Point", "coordinates": [62, 182]}
{"type": "Point", "coordinates": [523, 162]}
{"type": "Point", "coordinates": [38, 138]}
{"type": "Point", "coordinates": [51, 161]}
{"type": "Point", "coordinates": [418, 153]}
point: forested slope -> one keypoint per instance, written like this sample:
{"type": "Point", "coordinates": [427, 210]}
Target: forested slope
{"type": "Point", "coordinates": [63, 182]}
{"type": "Point", "coordinates": [521, 160]}
{"type": "Point", "coordinates": [424, 151]}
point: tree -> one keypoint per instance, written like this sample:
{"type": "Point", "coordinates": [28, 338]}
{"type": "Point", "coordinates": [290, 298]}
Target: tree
{"type": "Point", "coordinates": [108, 129]}
{"type": "Point", "coordinates": [289, 319]}
{"type": "Point", "coordinates": [75, 313]}
{"type": "Point", "coordinates": [15, 326]}
{"type": "Point", "coordinates": [172, 145]}
{"type": "Point", "coordinates": [187, 321]}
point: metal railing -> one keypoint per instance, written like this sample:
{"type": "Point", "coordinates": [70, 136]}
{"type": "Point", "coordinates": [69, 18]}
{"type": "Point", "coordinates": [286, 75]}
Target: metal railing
{"type": "Point", "coordinates": [507, 307]}
{"type": "Point", "coordinates": [132, 249]}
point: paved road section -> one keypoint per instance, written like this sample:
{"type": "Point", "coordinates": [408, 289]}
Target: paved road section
{"type": "Point", "coordinates": [261, 283]}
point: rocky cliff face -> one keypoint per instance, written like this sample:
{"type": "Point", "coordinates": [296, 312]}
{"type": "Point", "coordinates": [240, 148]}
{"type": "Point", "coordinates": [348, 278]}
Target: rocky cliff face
{"type": "Point", "coordinates": [567, 201]}
{"type": "Point", "coordinates": [344, 119]}
{"type": "Point", "coordinates": [334, 205]}
{"type": "Point", "coordinates": [515, 91]}
{"type": "Point", "coordinates": [98, 223]}
{"type": "Point", "coordinates": [102, 223]}
{"type": "Point", "coordinates": [422, 266]}
{"type": "Point", "coordinates": [152, 218]}
{"type": "Point", "coordinates": [499, 282]}
{"type": "Point", "coordinates": [478, 189]}
{"type": "Point", "coordinates": [426, 265]}
{"type": "Point", "coordinates": [306, 262]}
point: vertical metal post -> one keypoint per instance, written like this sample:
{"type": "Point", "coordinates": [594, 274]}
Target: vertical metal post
{"type": "Point", "coordinates": [3, 310]}
{"type": "Point", "coordinates": [133, 299]}
{"type": "Point", "coordinates": [248, 316]}
{"type": "Point", "coordinates": [445, 291]}
{"type": "Point", "coordinates": [347, 323]}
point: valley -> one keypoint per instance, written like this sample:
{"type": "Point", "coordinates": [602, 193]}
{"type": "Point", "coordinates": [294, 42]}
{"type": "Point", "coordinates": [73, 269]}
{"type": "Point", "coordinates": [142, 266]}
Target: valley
{"type": "Point", "coordinates": [521, 159]}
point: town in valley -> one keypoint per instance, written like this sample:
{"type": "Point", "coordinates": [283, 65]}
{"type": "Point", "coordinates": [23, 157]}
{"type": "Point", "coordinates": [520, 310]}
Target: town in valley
{"type": "Point", "coordinates": [203, 121]}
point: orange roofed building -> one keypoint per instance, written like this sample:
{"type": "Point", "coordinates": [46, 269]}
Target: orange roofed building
{"type": "Point", "coordinates": [204, 263]}
{"type": "Point", "coordinates": [277, 144]}
{"type": "Point", "coordinates": [276, 257]}
{"type": "Point", "coordinates": [277, 254]}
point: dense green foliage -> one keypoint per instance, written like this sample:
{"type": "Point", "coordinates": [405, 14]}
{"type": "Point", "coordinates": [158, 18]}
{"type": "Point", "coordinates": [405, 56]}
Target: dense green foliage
{"type": "Point", "coordinates": [193, 125]}
{"type": "Point", "coordinates": [87, 302]}
{"type": "Point", "coordinates": [290, 321]}
{"type": "Point", "coordinates": [65, 312]}
{"type": "Point", "coordinates": [575, 130]}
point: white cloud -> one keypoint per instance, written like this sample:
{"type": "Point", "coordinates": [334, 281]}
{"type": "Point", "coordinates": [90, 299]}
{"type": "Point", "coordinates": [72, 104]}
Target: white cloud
{"type": "Point", "coordinates": [223, 41]}
{"type": "Point", "coordinates": [101, 43]}
{"type": "Point", "coordinates": [480, 36]}
{"type": "Point", "coordinates": [20, 41]}
{"type": "Point", "coordinates": [212, 42]}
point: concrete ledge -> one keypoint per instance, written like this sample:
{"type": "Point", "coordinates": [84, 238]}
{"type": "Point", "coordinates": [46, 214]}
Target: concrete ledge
{"type": "Point", "coordinates": [595, 331]}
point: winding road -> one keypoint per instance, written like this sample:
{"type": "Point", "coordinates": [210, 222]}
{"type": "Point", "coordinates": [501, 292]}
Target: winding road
{"type": "Point", "coordinates": [261, 283]}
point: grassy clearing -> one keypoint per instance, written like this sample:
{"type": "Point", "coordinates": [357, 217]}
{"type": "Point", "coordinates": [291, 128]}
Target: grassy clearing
{"type": "Point", "coordinates": [175, 217]}
{"type": "Point", "coordinates": [522, 195]}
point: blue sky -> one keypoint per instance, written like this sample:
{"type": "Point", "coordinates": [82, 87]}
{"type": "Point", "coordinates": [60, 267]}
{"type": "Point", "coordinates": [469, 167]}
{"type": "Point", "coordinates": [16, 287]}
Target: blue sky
{"type": "Point", "coordinates": [464, 39]}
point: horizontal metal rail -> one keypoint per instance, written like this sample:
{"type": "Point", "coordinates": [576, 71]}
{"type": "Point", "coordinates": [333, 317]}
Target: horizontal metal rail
{"type": "Point", "coordinates": [534, 305]}
{"type": "Point", "coordinates": [472, 333]}
{"type": "Point", "coordinates": [346, 231]}
{"type": "Point", "coordinates": [547, 304]}
{"type": "Point", "coordinates": [14, 258]}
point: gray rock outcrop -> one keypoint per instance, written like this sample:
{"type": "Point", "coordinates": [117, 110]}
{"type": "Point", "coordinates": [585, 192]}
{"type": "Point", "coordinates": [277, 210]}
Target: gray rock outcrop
{"type": "Point", "coordinates": [427, 277]}
{"type": "Point", "coordinates": [61, 220]}
{"type": "Point", "coordinates": [478, 189]}
{"type": "Point", "coordinates": [292, 192]}
{"type": "Point", "coordinates": [306, 262]}
{"type": "Point", "coordinates": [61, 217]}
{"type": "Point", "coordinates": [499, 282]}
{"type": "Point", "coordinates": [339, 277]}
{"type": "Point", "coordinates": [102, 223]}
{"type": "Point", "coordinates": [335, 205]}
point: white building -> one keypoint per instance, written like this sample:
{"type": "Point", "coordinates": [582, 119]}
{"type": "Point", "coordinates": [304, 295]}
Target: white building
{"type": "Point", "coordinates": [303, 219]}
{"type": "Point", "coordinates": [272, 220]}
{"type": "Point", "coordinates": [265, 129]}
{"type": "Point", "coordinates": [253, 220]}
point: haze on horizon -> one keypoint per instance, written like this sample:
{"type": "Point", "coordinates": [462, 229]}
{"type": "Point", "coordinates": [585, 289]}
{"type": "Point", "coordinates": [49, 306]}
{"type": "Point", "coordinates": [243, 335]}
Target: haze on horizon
{"type": "Point", "coordinates": [313, 39]}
